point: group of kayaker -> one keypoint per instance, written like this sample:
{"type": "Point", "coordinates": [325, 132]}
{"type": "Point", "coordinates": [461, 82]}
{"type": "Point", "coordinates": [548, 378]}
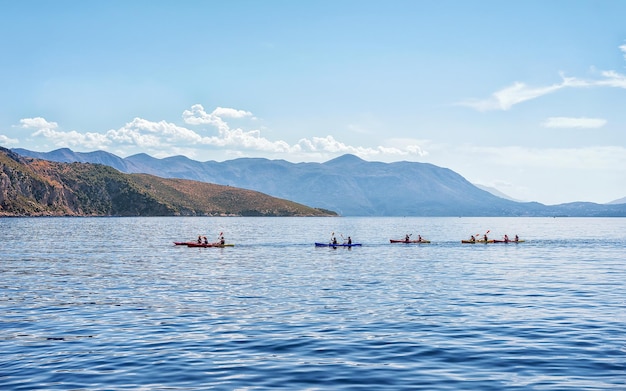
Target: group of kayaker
{"type": "Point", "coordinates": [486, 239]}
{"type": "Point", "coordinates": [506, 238]}
{"type": "Point", "coordinates": [333, 239]}
{"type": "Point", "coordinates": [407, 238]}
{"type": "Point", "coordinates": [204, 240]}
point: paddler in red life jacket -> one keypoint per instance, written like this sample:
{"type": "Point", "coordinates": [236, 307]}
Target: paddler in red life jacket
{"type": "Point", "coordinates": [406, 237]}
{"type": "Point", "coordinates": [506, 238]}
{"type": "Point", "coordinates": [199, 239]}
{"type": "Point", "coordinates": [472, 239]}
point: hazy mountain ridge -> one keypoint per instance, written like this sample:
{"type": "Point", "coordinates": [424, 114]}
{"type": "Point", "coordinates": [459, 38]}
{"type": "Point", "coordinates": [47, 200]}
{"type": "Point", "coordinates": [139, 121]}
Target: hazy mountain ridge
{"type": "Point", "coordinates": [618, 201]}
{"type": "Point", "coordinates": [35, 187]}
{"type": "Point", "coordinates": [496, 192]}
{"type": "Point", "coordinates": [351, 186]}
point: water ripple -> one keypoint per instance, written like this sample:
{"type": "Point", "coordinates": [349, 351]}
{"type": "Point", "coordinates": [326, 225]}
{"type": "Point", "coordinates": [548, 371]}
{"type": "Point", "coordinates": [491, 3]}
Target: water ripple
{"type": "Point", "coordinates": [144, 314]}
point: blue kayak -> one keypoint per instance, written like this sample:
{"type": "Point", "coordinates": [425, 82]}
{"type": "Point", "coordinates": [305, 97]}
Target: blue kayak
{"type": "Point", "coordinates": [317, 244]}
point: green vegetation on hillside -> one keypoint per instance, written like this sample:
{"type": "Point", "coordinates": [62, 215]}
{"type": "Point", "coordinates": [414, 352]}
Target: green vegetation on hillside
{"type": "Point", "coordinates": [32, 187]}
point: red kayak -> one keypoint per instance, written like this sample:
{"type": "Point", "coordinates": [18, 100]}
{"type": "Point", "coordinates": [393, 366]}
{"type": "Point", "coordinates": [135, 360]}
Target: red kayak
{"type": "Point", "coordinates": [184, 243]}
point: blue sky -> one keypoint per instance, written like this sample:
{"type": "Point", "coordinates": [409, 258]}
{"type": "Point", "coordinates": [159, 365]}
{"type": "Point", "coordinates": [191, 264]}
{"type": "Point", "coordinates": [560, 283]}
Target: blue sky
{"type": "Point", "coordinates": [528, 97]}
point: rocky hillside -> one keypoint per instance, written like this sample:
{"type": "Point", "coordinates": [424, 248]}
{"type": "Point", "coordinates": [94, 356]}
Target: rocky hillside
{"type": "Point", "coordinates": [347, 184]}
{"type": "Point", "coordinates": [34, 187]}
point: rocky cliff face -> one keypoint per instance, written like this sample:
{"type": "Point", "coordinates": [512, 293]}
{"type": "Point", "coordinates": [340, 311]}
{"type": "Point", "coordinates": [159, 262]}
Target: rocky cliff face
{"type": "Point", "coordinates": [33, 187]}
{"type": "Point", "coordinates": [22, 191]}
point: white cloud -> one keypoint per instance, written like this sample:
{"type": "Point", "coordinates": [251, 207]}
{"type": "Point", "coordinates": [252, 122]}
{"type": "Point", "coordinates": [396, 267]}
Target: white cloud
{"type": "Point", "coordinates": [416, 150]}
{"type": "Point", "coordinates": [135, 137]}
{"type": "Point", "coordinates": [252, 140]}
{"type": "Point", "coordinates": [510, 96]}
{"type": "Point", "coordinates": [64, 139]}
{"type": "Point", "coordinates": [162, 138]}
{"type": "Point", "coordinates": [5, 140]}
{"type": "Point", "coordinates": [231, 113]}
{"type": "Point", "coordinates": [519, 92]}
{"type": "Point", "coordinates": [328, 144]}
{"type": "Point", "coordinates": [595, 157]}
{"type": "Point", "coordinates": [567, 122]}
{"type": "Point", "coordinates": [612, 79]}
{"type": "Point", "coordinates": [37, 123]}
{"type": "Point", "coordinates": [144, 133]}
{"type": "Point", "coordinates": [198, 116]}
{"type": "Point", "coordinates": [74, 138]}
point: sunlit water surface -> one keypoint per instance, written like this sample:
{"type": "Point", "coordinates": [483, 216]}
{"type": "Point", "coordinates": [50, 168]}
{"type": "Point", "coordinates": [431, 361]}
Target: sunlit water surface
{"type": "Point", "coordinates": [112, 304]}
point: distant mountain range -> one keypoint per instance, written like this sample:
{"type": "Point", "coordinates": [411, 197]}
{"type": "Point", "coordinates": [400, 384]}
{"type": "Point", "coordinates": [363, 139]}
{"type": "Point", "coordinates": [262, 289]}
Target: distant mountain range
{"type": "Point", "coordinates": [496, 192]}
{"type": "Point", "coordinates": [33, 187]}
{"type": "Point", "coordinates": [347, 185]}
{"type": "Point", "coordinates": [619, 201]}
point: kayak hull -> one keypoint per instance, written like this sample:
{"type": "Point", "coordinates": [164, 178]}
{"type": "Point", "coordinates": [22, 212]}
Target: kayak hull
{"type": "Point", "coordinates": [317, 244]}
{"type": "Point", "coordinates": [209, 245]}
{"type": "Point", "coordinates": [408, 241]}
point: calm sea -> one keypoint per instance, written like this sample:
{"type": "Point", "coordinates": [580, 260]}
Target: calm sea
{"type": "Point", "coordinates": [112, 304]}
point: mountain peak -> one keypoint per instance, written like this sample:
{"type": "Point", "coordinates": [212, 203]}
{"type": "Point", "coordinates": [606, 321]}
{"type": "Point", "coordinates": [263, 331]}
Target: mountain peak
{"type": "Point", "coordinates": [345, 160]}
{"type": "Point", "coordinates": [62, 150]}
{"type": "Point", "coordinates": [619, 201]}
